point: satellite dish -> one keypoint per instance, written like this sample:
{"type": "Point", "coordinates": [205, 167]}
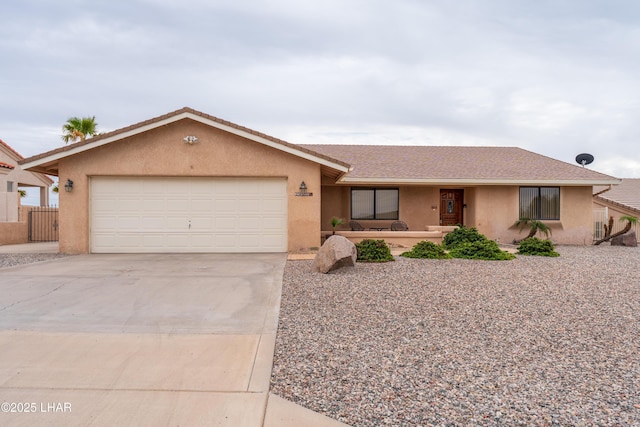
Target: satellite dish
{"type": "Point", "coordinates": [584, 159]}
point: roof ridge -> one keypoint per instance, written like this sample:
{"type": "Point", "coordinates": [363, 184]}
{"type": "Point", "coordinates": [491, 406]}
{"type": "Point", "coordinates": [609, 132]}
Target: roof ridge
{"type": "Point", "coordinates": [4, 144]}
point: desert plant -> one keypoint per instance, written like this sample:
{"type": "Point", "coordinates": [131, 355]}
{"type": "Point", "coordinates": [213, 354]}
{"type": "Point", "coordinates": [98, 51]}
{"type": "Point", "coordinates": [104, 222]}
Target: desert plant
{"type": "Point", "coordinates": [462, 235]}
{"type": "Point", "coordinates": [335, 221]}
{"type": "Point", "coordinates": [539, 247]}
{"type": "Point", "coordinates": [370, 250]}
{"type": "Point", "coordinates": [428, 250]}
{"type": "Point", "coordinates": [631, 220]}
{"type": "Point", "coordinates": [481, 249]}
{"type": "Point", "coordinates": [534, 225]}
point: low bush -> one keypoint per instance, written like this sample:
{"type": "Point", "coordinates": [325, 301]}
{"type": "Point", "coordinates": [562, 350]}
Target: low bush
{"type": "Point", "coordinates": [539, 247]}
{"type": "Point", "coordinates": [427, 250]}
{"type": "Point", "coordinates": [462, 235]}
{"type": "Point", "coordinates": [481, 249]}
{"type": "Point", "coordinates": [370, 250]}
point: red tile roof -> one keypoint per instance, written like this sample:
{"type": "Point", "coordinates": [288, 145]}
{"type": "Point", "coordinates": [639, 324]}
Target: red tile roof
{"type": "Point", "coordinates": [453, 163]}
{"type": "Point", "coordinates": [6, 165]}
{"type": "Point", "coordinates": [8, 147]}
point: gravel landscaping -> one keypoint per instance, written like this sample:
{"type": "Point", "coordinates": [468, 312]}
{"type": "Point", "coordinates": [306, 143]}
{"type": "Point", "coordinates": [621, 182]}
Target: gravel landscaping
{"type": "Point", "coordinates": [533, 341]}
{"type": "Point", "coordinates": [11, 260]}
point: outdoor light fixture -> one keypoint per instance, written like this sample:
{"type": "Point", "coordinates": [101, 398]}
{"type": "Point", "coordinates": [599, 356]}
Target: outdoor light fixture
{"type": "Point", "coordinates": [68, 186]}
{"type": "Point", "coordinates": [190, 139]}
{"type": "Point", "coordinates": [303, 190]}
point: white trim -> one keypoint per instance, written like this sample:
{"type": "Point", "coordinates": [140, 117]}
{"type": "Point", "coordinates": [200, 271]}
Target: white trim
{"type": "Point", "coordinates": [476, 182]}
{"type": "Point", "coordinates": [185, 115]}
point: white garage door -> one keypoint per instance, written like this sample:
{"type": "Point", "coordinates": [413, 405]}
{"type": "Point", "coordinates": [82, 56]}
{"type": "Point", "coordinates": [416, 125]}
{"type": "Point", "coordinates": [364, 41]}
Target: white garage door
{"type": "Point", "coordinates": [168, 214]}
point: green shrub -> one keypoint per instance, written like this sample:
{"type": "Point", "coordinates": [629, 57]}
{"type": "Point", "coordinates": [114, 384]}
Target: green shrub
{"type": "Point", "coordinates": [535, 246]}
{"type": "Point", "coordinates": [428, 250]}
{"type": "Point", "coordinates": [481, 249]}
{"type": "Point", "coordinates": [370, 250]}
{"type": "Point", "coordinates": [461, 235]}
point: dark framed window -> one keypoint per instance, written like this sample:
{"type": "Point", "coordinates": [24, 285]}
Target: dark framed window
{"type": "Point", "coordinates": [541, 203]}
{"type": "Point", "coordinates": [374, 203]}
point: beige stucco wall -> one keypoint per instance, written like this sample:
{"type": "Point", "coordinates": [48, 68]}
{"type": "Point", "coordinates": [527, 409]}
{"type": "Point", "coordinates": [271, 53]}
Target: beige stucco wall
{"type": "Point", "coordinates": [162, 152]}
{"type": "Point", "coordinates": [492, 209]}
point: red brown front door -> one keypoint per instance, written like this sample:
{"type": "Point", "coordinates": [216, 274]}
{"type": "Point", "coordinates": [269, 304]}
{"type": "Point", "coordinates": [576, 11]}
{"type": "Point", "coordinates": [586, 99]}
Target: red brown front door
{"type": "Point", "coordinates": [451, 207]}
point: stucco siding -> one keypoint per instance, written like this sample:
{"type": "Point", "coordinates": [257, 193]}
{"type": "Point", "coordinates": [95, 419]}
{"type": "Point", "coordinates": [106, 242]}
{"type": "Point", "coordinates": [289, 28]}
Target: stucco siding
{"type": "Point", "coordinates": [493, 210]}
{"type": "Point", "coordinates": [162, 152]}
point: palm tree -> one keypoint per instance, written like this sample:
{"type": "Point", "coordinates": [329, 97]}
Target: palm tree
{"type": "Point", "coordinates": [534, 225]}
{"type": "Point", "coordinates": [79, 129]}
{"type": "Point", "coordinates": [630, 221]}
{"type": "Point", "coordinates": [335, 221]}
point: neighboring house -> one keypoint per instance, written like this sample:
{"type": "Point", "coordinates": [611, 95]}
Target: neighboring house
{"type": "Point", "coordinates": [13, 176]}
{"type": "Point", "coordinates": [190, 182]}
{"type": "Point", "coordinates": [617, 201]}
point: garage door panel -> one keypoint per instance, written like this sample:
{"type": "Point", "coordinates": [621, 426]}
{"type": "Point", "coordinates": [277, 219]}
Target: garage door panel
{"type": "Point", "coordinates": [153, 215]}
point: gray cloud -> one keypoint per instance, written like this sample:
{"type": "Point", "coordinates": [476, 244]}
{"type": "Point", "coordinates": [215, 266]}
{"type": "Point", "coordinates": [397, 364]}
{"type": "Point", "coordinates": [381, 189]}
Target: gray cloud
{"type": "Point", "coordinates": [557, 78]}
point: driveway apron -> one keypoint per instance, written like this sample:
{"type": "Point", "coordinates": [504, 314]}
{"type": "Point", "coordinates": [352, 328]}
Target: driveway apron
{"type": "Point", "coordinates": [141, 340]}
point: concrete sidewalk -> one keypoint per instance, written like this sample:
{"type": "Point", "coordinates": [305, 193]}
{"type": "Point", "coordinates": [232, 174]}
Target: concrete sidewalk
{"type": "Point", "coordinates": [143, 340]}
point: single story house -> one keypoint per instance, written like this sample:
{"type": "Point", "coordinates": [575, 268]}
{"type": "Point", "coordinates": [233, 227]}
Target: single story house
{"type": "Point", "coordinates": [12, 176]}
{"type": "Point", "coordinates": [190, 182]}
{"type": "Point", "coordinates": [614, 202]}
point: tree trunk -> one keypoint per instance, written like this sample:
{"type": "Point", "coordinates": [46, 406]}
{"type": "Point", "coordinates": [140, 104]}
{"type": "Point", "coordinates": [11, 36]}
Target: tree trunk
{"type": "Point", "coordinates": [626, 228]}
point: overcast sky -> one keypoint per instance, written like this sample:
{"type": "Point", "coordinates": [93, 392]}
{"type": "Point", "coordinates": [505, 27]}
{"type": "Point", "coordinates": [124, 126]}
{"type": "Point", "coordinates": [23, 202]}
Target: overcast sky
{"type": "Point", "coordinates": [558, 77]}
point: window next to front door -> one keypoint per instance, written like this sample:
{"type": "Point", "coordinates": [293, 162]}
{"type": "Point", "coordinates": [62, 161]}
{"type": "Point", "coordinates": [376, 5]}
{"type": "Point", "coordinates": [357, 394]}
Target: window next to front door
{"type": "Point", "coordinates": [374, 203]}
{"type": "Point", "coordinates": [541, 203]}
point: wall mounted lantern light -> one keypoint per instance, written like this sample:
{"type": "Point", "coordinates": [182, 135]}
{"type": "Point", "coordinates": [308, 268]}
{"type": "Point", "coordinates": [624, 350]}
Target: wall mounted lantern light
{"type": "Point", "coordinates": [68, 186]}
{"type": "Point", "coordinates": [303, 190]}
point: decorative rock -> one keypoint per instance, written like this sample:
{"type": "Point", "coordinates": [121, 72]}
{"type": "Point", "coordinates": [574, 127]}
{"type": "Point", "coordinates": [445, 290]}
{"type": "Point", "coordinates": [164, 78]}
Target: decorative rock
{"type": "Point", "coordinates": [336, 252]}
{"type": "Point", "coordinates": [627, 239]}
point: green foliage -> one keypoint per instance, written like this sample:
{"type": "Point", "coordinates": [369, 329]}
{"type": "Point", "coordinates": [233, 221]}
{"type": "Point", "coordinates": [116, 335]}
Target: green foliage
{"type": "Point", "coordinates": [535, 246]}
{"type": "Point", "coordinates": [629, 218]}
{"type": "Point", "coordinates": [462, 235]}
{"type": "Point", "coordinates": [335, 221]}
{"type": "Point", "coordinates": [370, 250]}
{"type": "Point", "coordinates": [428, 250]}
{"type": "Point", "coordinates": [79, 129]}
{"type": "Point", "coordinates": [480, 249]}
{"type": "Point", "coordinates": [534, 225]}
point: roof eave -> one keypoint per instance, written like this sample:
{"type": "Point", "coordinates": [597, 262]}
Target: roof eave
{"type": "Point", "coordinates": [477, 182]}
{"type": "Point", "coordinates": [38, 164]}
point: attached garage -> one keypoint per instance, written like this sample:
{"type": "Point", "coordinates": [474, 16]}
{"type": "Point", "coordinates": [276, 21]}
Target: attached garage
{"type": "Point", "coordinates": [187, 214]}
{"type": "Point", "coordinates": [187, 182]}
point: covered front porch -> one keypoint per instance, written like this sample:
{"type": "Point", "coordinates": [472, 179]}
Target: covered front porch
{"type": "Point", "coordinates": [400, 239]}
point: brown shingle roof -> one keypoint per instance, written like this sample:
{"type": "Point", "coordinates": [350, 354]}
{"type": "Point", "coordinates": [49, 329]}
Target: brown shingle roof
{"type": "Point", "coordinates": [454, 163]}
{"type": "Point", "coordinates": [97, 139]}
{"type": "Point", "coordinates": [627, 194]}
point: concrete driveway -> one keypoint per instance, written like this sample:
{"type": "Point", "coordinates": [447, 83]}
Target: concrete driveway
{"type": "Point", "coordinates": [142, 340]}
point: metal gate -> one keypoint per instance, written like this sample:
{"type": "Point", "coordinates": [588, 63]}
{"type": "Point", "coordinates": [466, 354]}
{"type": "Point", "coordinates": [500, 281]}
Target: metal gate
{"type": "Point", "coordinates": [43, 224]}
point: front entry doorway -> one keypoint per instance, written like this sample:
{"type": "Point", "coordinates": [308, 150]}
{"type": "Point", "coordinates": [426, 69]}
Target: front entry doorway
{"type": "Point", "coordinates": [451, 207]}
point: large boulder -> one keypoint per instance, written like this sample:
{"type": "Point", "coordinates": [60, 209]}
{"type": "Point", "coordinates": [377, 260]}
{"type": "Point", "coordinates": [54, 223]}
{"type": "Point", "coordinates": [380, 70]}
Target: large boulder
{"type": "Point", "coordinates": [336, 252]}
{"type": "Point", "coordinates": [627, 239]}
